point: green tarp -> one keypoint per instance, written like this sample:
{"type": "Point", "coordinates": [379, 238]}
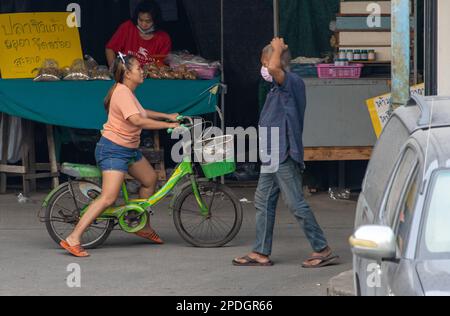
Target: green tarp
{"type": "Point", "coordinates": [79, 104]}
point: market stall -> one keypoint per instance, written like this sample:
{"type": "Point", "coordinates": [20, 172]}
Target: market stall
{"type": "Point", "coordinates": [72, 96]}
{"type": "Point", "coordinates": [80, 105]}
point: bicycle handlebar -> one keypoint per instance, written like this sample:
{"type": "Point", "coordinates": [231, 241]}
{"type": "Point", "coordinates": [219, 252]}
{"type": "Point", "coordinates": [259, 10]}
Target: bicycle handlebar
{"type": "Point", "coordinates": [180, 119]}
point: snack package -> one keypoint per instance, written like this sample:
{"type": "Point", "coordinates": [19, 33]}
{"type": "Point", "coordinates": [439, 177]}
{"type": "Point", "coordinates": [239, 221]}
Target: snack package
{"type": "Point", "coordinates": [90, 62]}
{"type": "Point", "coordinates": [100, 73]}
{"type": "Point", "coordinates": [154, 71]}
{"type": "Point", "coordinates": [186, 73]}
{"type": "Point", "coordinates": [96, 72]}
{"type": "Point", "coordinates": [78, 71]}
{"type": "Point", "coordinates": [48, 72]}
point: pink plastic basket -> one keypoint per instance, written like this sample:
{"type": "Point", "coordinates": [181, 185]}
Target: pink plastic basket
{"type": "Point", "coordinates": [330, 71]}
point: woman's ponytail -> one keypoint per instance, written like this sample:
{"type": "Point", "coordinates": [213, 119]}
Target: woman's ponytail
{"type": "Point", "coordinates": [107, 102]}
{"type": "Point", "coordinates": [121, 65]}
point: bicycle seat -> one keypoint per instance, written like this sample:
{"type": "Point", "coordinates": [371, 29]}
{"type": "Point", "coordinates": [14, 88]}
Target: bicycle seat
{"type": "Point", "coordinates": [80, 171]}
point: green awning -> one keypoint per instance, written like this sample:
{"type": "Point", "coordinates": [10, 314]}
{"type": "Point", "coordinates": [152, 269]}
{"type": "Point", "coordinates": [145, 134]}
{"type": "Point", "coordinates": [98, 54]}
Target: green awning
{"type": "Point", "coordinates": [79, 104]}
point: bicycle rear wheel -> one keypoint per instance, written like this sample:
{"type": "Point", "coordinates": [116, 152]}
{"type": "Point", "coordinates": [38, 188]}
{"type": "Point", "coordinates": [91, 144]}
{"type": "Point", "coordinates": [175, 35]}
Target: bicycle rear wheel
{"type": "Point", "coordinates": [219, 227]}
{"type": "Point", "coordinates": [63, 214]}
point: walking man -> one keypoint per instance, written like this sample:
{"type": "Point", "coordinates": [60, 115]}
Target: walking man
{"type": "Point", "coordinates": [284, 113]}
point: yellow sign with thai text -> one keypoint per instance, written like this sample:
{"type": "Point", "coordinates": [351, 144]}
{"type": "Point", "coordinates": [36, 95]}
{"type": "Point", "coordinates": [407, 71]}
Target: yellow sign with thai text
{"type": "Point", "coordinates": [380, 108]}
{"type": "Point", "coordinates": [27, 39]}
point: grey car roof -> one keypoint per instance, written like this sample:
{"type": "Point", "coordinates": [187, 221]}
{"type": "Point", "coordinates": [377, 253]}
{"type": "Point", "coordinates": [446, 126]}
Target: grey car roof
{"type": "Point", "coordinates": [417, 116]}
{"type": "Point", "coordinates": [439, 137]}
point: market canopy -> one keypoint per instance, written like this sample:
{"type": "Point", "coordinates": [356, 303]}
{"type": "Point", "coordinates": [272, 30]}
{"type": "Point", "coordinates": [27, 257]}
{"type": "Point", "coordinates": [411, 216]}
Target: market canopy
{"type": "Point", "coordinates": [79, 104]}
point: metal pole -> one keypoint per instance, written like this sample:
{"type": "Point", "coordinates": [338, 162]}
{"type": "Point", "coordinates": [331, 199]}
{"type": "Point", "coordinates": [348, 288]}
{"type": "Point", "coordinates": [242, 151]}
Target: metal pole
{"type": "Point", "coordinates": [401, 54]}
{"type": "Point", "coordinates": [416, 37]}
{"type": "Point", "coordinates": [430, 47]}
{"type": "Point", "coordinates": [443, 44]}
{"type": "Point", "coordinates": [222, 60]}
{"type": "Point", "coordinates": [276, 18]}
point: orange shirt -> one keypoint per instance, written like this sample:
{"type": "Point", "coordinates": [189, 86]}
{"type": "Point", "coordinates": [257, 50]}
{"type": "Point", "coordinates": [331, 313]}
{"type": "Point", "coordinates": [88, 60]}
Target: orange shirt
{"type": "Point", "coordinates": [118, 129]}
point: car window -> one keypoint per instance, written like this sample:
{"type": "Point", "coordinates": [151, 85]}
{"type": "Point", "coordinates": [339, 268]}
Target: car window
{"type": "Point", "coordinates": [405, 216]}
{"type": "Point", "coordinates": [383, 160]}
{"type": "Point", "coordinates": [436, 236]}
{"type": "Point", "coordinates": [406, 167]}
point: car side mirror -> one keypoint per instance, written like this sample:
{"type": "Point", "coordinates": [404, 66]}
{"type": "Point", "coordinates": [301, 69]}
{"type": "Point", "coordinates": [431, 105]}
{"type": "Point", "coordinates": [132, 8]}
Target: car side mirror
{"type": "Point", "coordinates": [374, 242]}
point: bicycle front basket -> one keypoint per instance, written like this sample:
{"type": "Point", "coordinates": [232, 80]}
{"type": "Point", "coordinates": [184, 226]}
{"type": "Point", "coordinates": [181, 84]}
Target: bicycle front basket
{"type": "Point", "coordinates": [216, 156]}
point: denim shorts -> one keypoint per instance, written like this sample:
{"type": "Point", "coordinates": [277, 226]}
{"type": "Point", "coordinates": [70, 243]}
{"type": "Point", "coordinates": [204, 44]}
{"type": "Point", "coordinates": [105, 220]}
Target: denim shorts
{"type": "Point", "coordinates": [113, 157]}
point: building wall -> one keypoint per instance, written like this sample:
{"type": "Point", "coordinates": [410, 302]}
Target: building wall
{"type": "Point", "coordinates": [444, 47]}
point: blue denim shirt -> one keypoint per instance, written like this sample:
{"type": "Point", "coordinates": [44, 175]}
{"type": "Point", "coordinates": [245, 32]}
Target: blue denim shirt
{"type": "Point", "coordinates": [285, 109]}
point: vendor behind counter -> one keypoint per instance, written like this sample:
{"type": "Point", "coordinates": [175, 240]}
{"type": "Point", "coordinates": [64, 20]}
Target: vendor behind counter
{"type": "Point", "coordinates": [140, 36]}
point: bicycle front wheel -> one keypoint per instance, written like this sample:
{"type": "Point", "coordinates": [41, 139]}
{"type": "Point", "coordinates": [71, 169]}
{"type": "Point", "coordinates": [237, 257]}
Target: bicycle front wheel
{"type": "Point", "coordinates": [219, 226]}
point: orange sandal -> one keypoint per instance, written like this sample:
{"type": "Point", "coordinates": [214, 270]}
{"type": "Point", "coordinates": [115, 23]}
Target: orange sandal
{"type": "Point", "coordinates": [76, 251]}
{"type": "Point", "coordinates": [153, 236]}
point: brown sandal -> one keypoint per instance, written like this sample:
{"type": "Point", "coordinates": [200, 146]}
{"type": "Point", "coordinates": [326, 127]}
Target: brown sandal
{"type": "Point", "coordinates": [323, 261]}
{"type": "Point", "coordinates": [250, 262]}
{"type": "Point", "coordinates": [77, 251]}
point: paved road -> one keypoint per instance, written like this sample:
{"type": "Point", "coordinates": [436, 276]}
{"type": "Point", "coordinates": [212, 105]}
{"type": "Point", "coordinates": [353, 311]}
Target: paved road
{"type": "Point", "coordinates": [32, 264]}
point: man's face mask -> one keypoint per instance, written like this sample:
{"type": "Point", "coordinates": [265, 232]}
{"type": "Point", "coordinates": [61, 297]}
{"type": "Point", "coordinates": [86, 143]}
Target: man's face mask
{"type": "Point", "coordinates": [266, 75]}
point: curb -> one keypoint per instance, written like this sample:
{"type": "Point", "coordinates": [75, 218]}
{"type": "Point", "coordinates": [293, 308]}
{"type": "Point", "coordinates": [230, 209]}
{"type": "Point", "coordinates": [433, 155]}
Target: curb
{"type": "Point", "coordinates": [341, 285]}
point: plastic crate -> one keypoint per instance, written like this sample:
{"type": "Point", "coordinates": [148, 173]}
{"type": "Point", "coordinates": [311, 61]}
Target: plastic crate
{"type": "Point", "coordinates": [330, 71]}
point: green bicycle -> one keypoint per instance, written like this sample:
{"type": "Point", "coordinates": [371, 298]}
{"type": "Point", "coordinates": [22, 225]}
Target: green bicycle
{"type": "Point", "coordinates": [206, 213]}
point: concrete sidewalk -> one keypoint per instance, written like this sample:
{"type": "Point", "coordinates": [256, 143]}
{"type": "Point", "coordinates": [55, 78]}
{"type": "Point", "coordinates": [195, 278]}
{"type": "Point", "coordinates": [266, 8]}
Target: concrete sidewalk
{"type": "Point", "coordinates": [32, 264]}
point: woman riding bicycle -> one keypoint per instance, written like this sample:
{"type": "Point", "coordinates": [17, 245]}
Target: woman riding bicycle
{"type": "Point", "coordinates": [117, 151]}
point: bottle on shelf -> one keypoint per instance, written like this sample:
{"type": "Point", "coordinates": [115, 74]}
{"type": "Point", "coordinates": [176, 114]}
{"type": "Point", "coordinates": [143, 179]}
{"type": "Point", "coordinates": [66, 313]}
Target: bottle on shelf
{"type": "Point", "coordinates": [350, 55]}
{"type": "Point", "coordinates": [364, 55]}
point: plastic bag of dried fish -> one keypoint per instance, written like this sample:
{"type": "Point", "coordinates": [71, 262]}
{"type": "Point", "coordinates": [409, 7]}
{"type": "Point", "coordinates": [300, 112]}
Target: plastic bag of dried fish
{"type": "Point", "coordinates": [100, 73]}
{"type": "Point", "coordinates": [187, 73]}
{"type": "Point", "coordinates": [166, 73]}
{"type": "Point", "coordinates": [96, 72]}
{"type": "Point", "coordinates": [90, 62]}
{"type": "Point", "coordinates": [153, 71]}
{"type": "Point", "coordinates": [78, 71]}
{"type": "Point", "coordinates": [48, 72]}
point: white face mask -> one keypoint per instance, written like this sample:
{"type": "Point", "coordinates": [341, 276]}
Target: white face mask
{"type": "Point", "coordinates": [148, 31]}
{"type": "Point", "coordinates": [266, 75]}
